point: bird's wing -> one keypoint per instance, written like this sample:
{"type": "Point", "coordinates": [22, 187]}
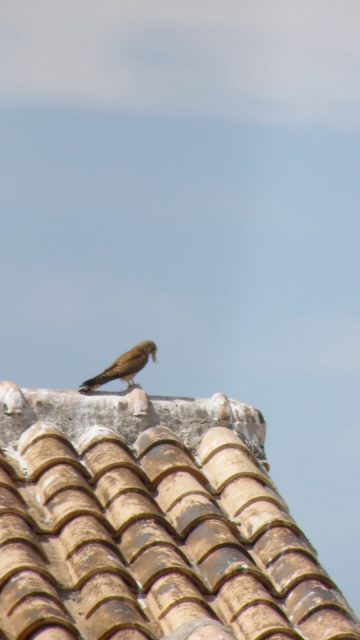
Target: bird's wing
{"type": "Point", "coordinates": [127, 364]}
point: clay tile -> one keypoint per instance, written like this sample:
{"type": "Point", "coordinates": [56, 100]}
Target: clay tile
{"type": "Point", "coordinates": [82, 530]}
{"type": "Point", "coordinates": [293, 567]}
{"type": "Point", "coordinates": [114, 615]}
{"type": "Point", "coordinates": [103, 456]}
{"type": "Point", "coordinates": [329, 625]}
{"type": "Point", "coordinates": [45, 452]}
{"type": "Point", "coordinates": [10, 466]}
{"type": "Point", "coordinates": [311, 595]}
{"type": "Point", "coordinates": [138, 403]}
{"type": "Point", "coordinates": [289, 635]}
{"type": "Point", "coordinates": [151, 437]}
{"type": "Point", "coordinates": [190, 511]}
{"type": "Point", "coordinates": [14, 528]}
{"type": "Point", "coordinates": [186, 612]}
{"type": "Point", "coordinates": [216, 439]}
{"type": "Point", "coordinates": [240, 493]}
{"type": "Point", "coordinates": [176, 486]}
{"type": "Point", "coordinates": [32, 613]}
{"type": "Point", "coordinates": [128, 507]}
{"type": "Point", "coordinates": [36, 432]}
{"type": "Point", "coordinates": [58, 478]}
{"type": "Point", "coordinates": [6, 480]}
{"type": "Point", "coordinates": [260, 516]}
{"type": "Point", "coordinates": [92, 558]}
{"type": "Point", "coordinates": [240, 592]}
{"type": "Point", "coordinates": [261, 620]}
{"type": "Point", "coordinates": [170, 590]}
{"type": "Point", "coordinates": [208, 536]}
{"type": "Point", "coordinates": [156, 562]}
{"type": "Point", "coordinates": [129, 634]}
{"type": "Point", "coordinates": [57, 633]}
{"type": "Point", "coordinates": [17, 556]}
{"type": "Point", "coordinates": [118, 481]}
{"type": "Point", "coordinates": [228, 464]}
{"type": "Point", "coordinates": [167, 458]}
{"type": "Point", "coordinates": [277, 541]}
{"type": "Point", "coordinates": [102, 588]}
{"type": "Point", "coordinates": [210, 632]}
{"type": "Point", "coordinates": [21, 586]}
{"type": "Point", "coordinates": [69, 504]}
{"type": "Point", "coordinates": [10, 501]}
{"type": "Point", "coordinates": [224, 563]}
{"type": "Point", "coordinates": [144, 534]}
{"type": "Point", "coordinates": [97, 434]}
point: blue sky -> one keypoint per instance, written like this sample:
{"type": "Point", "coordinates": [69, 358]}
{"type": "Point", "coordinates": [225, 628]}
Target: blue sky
{"type": "Point", "coordinates": [193, 179]}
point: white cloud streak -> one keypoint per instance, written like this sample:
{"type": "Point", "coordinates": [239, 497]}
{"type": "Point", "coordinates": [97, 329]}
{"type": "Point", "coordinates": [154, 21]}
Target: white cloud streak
{"type": "Point", "coordinates": [265, 60]}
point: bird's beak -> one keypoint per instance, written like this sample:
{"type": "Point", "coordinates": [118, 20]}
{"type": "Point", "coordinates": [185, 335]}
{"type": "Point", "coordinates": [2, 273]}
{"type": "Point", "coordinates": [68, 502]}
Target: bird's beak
{"type": "Point", "coordinates": [153, 355]}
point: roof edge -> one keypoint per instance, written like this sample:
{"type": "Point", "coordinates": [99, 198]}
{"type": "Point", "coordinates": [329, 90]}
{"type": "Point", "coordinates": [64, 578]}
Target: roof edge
{"type": "Point", "coordinates": [127, 414]}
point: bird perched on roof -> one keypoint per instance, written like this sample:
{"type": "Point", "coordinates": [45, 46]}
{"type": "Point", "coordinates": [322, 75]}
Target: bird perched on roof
{"type": "Point", "coordinates": [125, 366]}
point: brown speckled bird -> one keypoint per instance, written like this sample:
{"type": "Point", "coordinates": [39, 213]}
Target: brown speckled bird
{"type": "Point", "coordinates": [125, 367]}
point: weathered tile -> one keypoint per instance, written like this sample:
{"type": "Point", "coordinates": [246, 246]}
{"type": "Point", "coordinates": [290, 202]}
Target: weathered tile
{"type": "Point", "coordinates": [144, 534]}
{"type": "Point", "coordinates": [279, 540]}
{"type": "Point", "coordinates": [84, 529]}
{"type": "Point", "coordinates": [129, 507]}
{"type": "Point", "coordinates": [208, 536]}
{"type": "Point", "coordinates": [156, 562]}
{"type": "Point", "coordinates": [216, 439]}
{"type": "Point", "coordinates": [115, 615]}
{"type": "Point", "coordinates": [20, 556]}
{"type": "Point", "coordinates": [191, 510]}
{"type": "Point", "coordinates": [260, 516]}
{"type": "Point", "coordinates": [329, 625]}
{"type": "Point", "coordinates": [69, 504]}
{"type": "Point", "coordinates": [46, 451]}
{"type": "Point", "coordinates": [163, 459]}
{"type": "Point", "coordinates": [262, 620]}
{"type": "Point", "coordinates": [16, 527]}
{"type": "Point", "coordinates": [240, 592]}
{"type": "Point", "coordinates": [24, 584]}
{"type": "Point", "coordinates": [229, 464]}
{"type": "Point", "coordinates": [170, 590]}
{"type": "Point", "coordinates": [178, 485]}
{"type": "Point", "coordinates": [103, 587]}
{"type": "Point", "coordinates": [153, 436]}
{"type": "Point", "coordinates": [58, 478]}
{"type": "Point", "coordinates": [311, 595]}
{"type": "Point", "coordinates": [50, 631]}
{"type": "Point", "coordinates": [118, 481]}
{"type": "Point", "coordinates": [292, 567]}
{"type": "Point", "coordinates": [106, 455]}
{"type": "Point", "coordinates": [224, 563]}
{"type": "Point", "coordinates": [242, 492]}
{"type": "Point", "coordinates": [182, 613]}
{"type": "Point", "coordinates": [93, 558]}
{"type": "Point", "coordinates": [31, 613]}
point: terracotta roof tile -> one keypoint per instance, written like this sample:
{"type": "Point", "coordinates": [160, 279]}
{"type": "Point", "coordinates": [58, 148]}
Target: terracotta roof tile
{"type": "Point", "coordinates": [53, 632]}
{"type": "Point", "coordinates": [310, 596]}
{"type": "Point", "coordinates": [164, 458]}
{"type": "Point", "coordinates": [105, 455]}
{"type": "Point", "coordinates": [209, 536]}
{"type": "Point", "coordinates": [107, 536]}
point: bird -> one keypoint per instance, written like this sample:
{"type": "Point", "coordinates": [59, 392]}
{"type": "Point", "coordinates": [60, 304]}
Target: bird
{"type": "Point", "coordinates": [125, 367]}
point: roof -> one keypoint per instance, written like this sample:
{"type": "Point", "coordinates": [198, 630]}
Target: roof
{"type": "Point", "coordinates": [130, 517]}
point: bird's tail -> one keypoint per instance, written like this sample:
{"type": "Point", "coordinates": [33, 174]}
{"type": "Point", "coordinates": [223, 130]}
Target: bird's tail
{"type": "Point", "coordinates": [94, 383]}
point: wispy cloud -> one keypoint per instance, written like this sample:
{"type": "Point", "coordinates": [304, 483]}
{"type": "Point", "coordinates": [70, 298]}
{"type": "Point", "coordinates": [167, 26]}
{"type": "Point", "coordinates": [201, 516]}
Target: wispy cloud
{"type": "Point", "coordinates": [266, 60]}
